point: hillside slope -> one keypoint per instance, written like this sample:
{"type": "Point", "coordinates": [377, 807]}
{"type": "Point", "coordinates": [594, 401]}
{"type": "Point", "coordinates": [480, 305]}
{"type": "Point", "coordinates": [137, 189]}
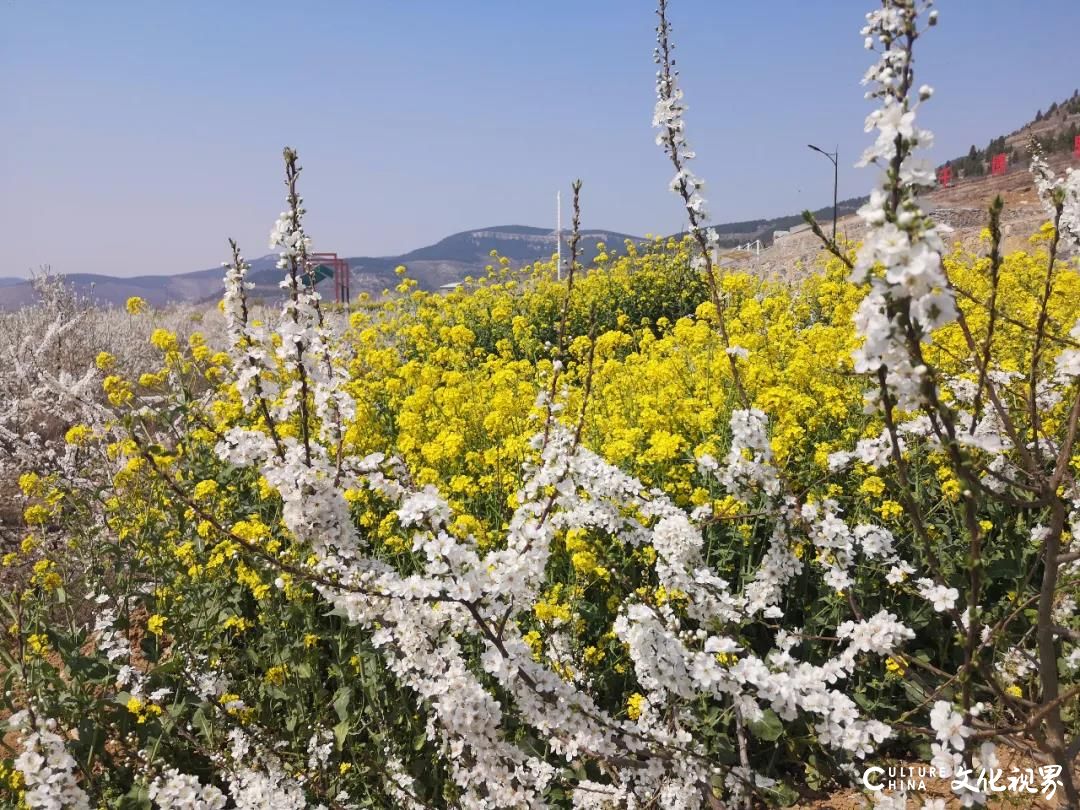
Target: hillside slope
{"type": "Point", "coordinates": [458, 256]}
{"type": "Point", "coordinates": [449, 260]}
{"type": "Point", "coordinates": [1055, 131]}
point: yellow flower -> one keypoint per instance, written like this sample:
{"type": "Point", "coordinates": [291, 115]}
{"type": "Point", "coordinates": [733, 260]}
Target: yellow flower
{"type": "Point", "coordinates": [156, 624]}
{"type": "Point", "coordinates": [78, 435]}
{"type": "Point", "coordinates": [890, 510]}
{"type": "Point", "coordinates": [237, 623]}
{"type": "Point", "coordinates": [104, 361]}
{"type": "Point", "coordinates": [14, 780]}
{"type": "Point", "coordinates": [38, 644]}
{"type": "Point", "coordinates": [663, 446]}
{"type": "Point", "coordinates": [36, 514]}
{"type": "Point", "coordinates": [135, 305]}
{"type": "Point", "coordinates": [1014, 690]}
{"type": "Point", "coordinates": [276, 675]}
{"type": "Point", "coordinates": [952, 489]}
{"type": "Point", "coordinates": [30, 484]}
{"type": "Point", "coordinates": [584, 562]}
{"type": "Point", "coordinates": [895, 666]}
{"type": "Point", "coordinates": [634, 705]}
{"type": "Point", "coordinates": [45, 575]}
{"type": "Point", "coordinates": [118, 390]}
{"type": "Point", "coordinates": [248, 577]}
{"type": "Point", "coordinates": [164, 340]}
{"type": "Point", "coordinates": [535, 642]}
{"type": "Point", "coordinates": [205, 489]}
{"type": "Point", "coordinates": [551, 609]}
{"type": "Point", "coordinates": [872, 486]}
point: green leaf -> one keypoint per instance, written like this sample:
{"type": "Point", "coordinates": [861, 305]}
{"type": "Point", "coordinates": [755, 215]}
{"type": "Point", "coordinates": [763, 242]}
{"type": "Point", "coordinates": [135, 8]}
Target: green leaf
{"type": "Point", "coordinates": [915, 693]}
{"type": "Point", "coordinates": [138, 798]}
{"type": "Point", "coordinates": [785, 794]}
{"type": "Point", "coordinates": [768, 728]}
{"type": "Point", "coordinates": [341, 702]}
{"type": "Point", "coordinates": [341, 731]}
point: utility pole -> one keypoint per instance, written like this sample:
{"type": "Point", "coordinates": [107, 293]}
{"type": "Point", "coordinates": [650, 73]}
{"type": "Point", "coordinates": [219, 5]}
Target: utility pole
{"type": "Point", "coordinates": [833, 156]}
{"type": "Point", "coordinates": [558, 234]}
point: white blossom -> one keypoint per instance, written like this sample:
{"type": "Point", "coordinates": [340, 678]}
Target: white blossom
{"type": "Point", "coordinates": [173, 790]}
{"type": "Point", "coordinates": [48, 770]}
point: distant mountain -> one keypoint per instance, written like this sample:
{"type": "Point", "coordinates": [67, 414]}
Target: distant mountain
{"type": "Point", "coordinates": [469, 253]}
{"type": "Point", "coordinates": [157, 290]}
{"type": "Point", "coordinates": [456, 257]}
{"type": "Point", "coordinates": [449, 260]}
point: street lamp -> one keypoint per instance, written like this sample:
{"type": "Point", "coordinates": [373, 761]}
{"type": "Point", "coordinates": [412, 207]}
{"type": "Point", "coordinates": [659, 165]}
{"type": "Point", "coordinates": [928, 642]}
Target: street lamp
{"type": "Point", "coordinates": [833, 156]}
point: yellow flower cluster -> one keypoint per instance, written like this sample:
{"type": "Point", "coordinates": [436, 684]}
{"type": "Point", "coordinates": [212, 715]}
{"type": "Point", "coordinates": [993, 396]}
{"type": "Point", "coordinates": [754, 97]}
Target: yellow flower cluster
{"type": "Point", "coordinates": [450, 384]}
{"type": "Point", "coordinates": [143, 710]}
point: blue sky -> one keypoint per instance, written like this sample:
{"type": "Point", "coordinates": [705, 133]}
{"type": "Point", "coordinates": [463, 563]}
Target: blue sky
{"type": "Point", "coordinates": [137, 136]}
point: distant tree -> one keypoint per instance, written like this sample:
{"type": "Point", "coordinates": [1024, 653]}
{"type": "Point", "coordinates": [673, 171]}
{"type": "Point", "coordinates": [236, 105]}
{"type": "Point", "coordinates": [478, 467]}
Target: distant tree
{"type": "Point", "coordinates": [972, 165]}
{"type": "Point", "coordinates": [1039, 115]}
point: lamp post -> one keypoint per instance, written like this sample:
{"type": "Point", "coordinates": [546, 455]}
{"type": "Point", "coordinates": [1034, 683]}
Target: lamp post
{"type": "Point", "coordinates": [558, 235]}
{"type": "Point", "coordinates": [833, 156]}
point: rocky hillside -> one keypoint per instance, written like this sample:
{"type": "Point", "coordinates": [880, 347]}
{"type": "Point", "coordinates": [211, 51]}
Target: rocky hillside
{"type": "Point", "coordinates": [961, 208]}
{"type": "Point", "coordinates": [1054, 130]}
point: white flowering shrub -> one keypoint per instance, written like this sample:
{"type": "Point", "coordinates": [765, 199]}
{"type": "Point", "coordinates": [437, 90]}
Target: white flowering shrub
{"type": "Point", "coordinates": [53, 352]}
{"type": "Point", "coordinates": [247, 582]}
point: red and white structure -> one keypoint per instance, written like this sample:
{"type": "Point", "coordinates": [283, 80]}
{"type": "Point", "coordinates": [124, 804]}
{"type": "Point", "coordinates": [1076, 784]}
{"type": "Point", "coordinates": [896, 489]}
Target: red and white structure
{"type": "Point", "coordinates": [326, 265]}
